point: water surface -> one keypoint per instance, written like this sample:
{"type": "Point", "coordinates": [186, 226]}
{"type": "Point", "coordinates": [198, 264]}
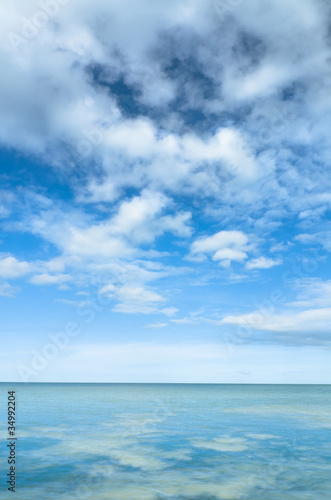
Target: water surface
{"type": "Point", "coordinates": [169, 441]}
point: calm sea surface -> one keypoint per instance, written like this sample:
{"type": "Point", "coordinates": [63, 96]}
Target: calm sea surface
{"type": "Point", "coordinates": [165, 441]}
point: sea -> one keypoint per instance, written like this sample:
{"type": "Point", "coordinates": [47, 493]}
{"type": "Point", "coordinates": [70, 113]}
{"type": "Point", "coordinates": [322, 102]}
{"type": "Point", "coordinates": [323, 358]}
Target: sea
{"type": "Point", "coordinates": [167, 442]}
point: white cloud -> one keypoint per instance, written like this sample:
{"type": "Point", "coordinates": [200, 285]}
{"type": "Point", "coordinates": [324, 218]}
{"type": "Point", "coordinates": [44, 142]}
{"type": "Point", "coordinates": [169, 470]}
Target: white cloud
{"type": "Point", "coordinates": [313, 321]}
{"type": "Point", "coordinates": [305, 238]}
{"type": "Point", "coordinates": [143, 308]}
{"type": "Point", "coordinates": [139, 218]}
{"type": "Point", "coordinates": [108, 253]}
{"type": "Point", "coordinates": [305, 321]}
{"type": "Point", "coordinates": [313, 292]}
{"type": "Point", "coordinates": [184, 321]}
{"type": "Point", "coordinates": [133, 299]}
{"type": "Point", "coordinates": [262, 263]}
{"type": "Point", "coordinates": [136, 221]}
{"type": "Point", "coordinates": [94, 240]}
{"type": "Point", "coordinates": [108, 290]}
{"type": "Point", "coordinates": [50, 279]}
{"type": "Point", "coordinates": [219, 240]}
{"type": "Point", "coordinates": [10, 267]}
{"type": "Point", "coordinates": [200, 128]}
{"type": "Point", "coordinates": [157, 325]}
{"type": "Point", "coordinates": [262, 82]}
{"type": "Point", "coordinates": [322, 238]}
{"type": "Point", "coordinates": [238, 167]}
{"type": "Point", "coordinates": [134, 137]}
{"type": "Point", "coordinates": [138, 294]}
{"type": "Point", "coordinates": [141, 151]}
{"type": "Point", "coordinates": [224, 246]}
{"type": "Point", "coordinates": [133, 216]}
{"type": "Point", "coordinates": [169, 311]}
{"type": "Point", "coordinates": [6, 290]}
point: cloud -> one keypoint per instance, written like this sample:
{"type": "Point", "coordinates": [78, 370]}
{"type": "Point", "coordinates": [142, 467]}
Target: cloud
{"type": "Point", "coordinates": [140, 221]}
{"type": "Point", "coordinates": [109, 290]}
{"type": "Point", "coordinates": [143, 308]}
{"type": "Point", "coordinates": [133, 299]}
{"type": "Point", "coordinates": [133, 95]}
{"type": "Point", "coordinates": [114, 254]}
{"type": "Point", "coordinates": [262, 263]}
{"type": "Point", "coordinates": [313, 321]}
{"type": "Point", "coordinates": [161, 122]}
{"type": "Point", "coordinates": [322, 238]}
{"type": "Point", "coordinates": [133, 217]}
{"type": "Point", "coordinates": [169, 311]}
{"type": "Point", "coordinates": [136, 221]}
{"type": "Point", "coordinates": [138, 294]}
{"type": "Point", "coordinates": [312, 292]}
{"type": "Point", "coordinates": [146, 108]}
{"type": "Point", "coordinates": [304, 321]}
{"type": "Point", "coordinates": [184, 321]}
{"type": "Point", "coordinates": [6, 290]}
{"type": "Point", "coordinates": [10, 267]}
{"type": "Point", "coordinates": [224, 246]}
{"type": "Point", "coordinates": [157, 325]}
{"type": "Point", "coordinates": [50, 279]}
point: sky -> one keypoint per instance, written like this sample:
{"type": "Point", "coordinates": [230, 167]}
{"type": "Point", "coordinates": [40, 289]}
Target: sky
{"type": "Point", "coordinates": [165, 191]}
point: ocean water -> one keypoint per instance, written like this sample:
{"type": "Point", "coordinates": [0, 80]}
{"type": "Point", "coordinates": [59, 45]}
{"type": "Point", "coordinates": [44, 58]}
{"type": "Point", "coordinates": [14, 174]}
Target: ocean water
{"type": "Point", "coordinates": [169, 442]}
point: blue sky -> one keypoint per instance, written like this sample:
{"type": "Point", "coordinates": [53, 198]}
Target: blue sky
{"type": "Point", "coordinates": [165, 191]}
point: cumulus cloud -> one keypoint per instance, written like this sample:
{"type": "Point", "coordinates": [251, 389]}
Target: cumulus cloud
{"type": "Point", "coordinates": [224, 246]}
{"type": "Point", "coordinates": [140, 219]}
{"type": "Point", "coordinates": [10, 267]}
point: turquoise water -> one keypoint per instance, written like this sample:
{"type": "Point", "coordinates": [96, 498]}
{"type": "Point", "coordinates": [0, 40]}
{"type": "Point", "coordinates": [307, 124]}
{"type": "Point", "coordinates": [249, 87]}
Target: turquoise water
{"type": "Point", "coordinates": [174, 442]}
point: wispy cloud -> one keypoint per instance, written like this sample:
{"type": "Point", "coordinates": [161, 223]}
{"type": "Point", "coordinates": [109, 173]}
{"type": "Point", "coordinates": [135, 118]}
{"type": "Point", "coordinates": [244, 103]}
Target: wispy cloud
{"type": "Point", "coordinates": [262, 263]}
{"type": "Point", "coordinates": [7, 290]}
{"type": "Point", "coordinates": [305, 321]}
{"type": "Point", "coordinates": [50, 279]}
{"type": "Point", "coordinates": [157, 325]}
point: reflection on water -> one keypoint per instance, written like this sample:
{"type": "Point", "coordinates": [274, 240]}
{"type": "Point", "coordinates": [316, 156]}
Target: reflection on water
{"type": "Point", "coordinates": [174, 442]}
